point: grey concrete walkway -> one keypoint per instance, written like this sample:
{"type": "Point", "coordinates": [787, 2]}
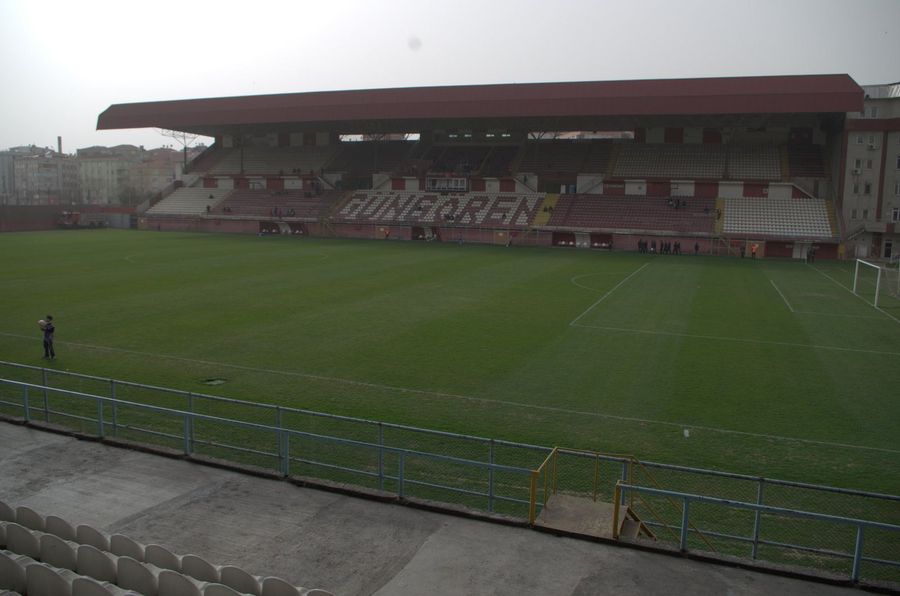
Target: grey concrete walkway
{"type": "Point", "coordinates": [343, 544]}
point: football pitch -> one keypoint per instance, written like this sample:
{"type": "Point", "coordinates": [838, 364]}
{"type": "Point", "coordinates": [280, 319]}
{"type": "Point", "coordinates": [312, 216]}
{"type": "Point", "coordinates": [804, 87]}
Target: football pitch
{"type": "Point", "coordinates": [762, 367]}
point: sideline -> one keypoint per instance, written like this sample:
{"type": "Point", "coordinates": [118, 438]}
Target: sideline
{"type": "Point", "coordinates": [469, 398]}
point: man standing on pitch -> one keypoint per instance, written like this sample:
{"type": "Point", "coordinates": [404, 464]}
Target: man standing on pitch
{"type": "Point", "coordinates": [48, 329]}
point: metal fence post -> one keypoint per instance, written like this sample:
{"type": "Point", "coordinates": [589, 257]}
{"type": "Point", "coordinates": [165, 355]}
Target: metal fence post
{"type": "Point", "coordinates": [757, 518]}
{"type": "Point", "coordinates": [491, 477]}
{"type": "Point", "coordinates": [857, 555]}
{"type": "Point", "coordinates": [380, 456]}
{"type": "Point", "coordinates": [26, 404]}
{"type": "Point", "coordinates": [285, 454]}
{"type": "Point", "coordinates": [400, 476]}
{"type": "Point", "coordinates": [624, 479]}
{"type": "Point", "coordinates": [115, 409]}
{"type": "Point", "coordinates": [684, 525]}
{"type": "Point", "coordinates": [186, 433]}
{"type": "Point", "coordinates": [279, 440]}
{"type": "Point", "coordinates": [99, 417]}
{"type": "Point", "coordinates": [46, 399]}
{"type": "Point", "coordinates": [190, 419]}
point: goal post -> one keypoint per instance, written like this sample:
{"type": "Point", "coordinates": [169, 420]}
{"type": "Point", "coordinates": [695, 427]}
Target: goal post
{"type": "Point", "coordinates": [867, 281]}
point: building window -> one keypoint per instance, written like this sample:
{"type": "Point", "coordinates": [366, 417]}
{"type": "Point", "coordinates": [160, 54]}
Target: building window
{"type": "Point", "coordinates": [873, 112]}
{"type": "Point", "coordinates": [865, 214]}
{"type": "Point", "coordinates": [897, 188]}
{"type": "Point", "coordinates": [871, 139]}
{"type": "Point", "coordinates": [868, 164]}
{"type": "Point", "coordinates": [857, 163]}
{"type": "Point", "coordinates": [895, 214]}
{"type": "Point", "coordinates": [853, 214]}
{"type": "Point", "coordinates": [859, 139]}
{"type": "Point", "coordinates": [856, 188]}
{"type": "Point", "coordinates": [898, 162]}
{"type": "Point", "coordinates": [867, 188]}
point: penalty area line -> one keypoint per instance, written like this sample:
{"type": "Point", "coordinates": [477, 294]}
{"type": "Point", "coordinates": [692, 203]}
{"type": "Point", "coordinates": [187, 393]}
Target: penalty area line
{"type": "Point", "coordinates": [470, 398]}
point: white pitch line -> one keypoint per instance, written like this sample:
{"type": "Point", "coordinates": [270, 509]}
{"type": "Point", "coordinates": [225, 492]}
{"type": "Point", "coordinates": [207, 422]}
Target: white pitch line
{"type": "Point", "coordinates": [483, 400]}
{"type": "Point", "coordinates": [738, 339]}
{"type": "Point", "coordinates": [834, 314]}
{"type": "Point", "coordinates": [576, 277]}
{"type": "Point", "coordinates": [887, 314]}
{"type": "Point", "coordinates": [606, 295]}
{"type": "Point", "coordinates": [790, 308]}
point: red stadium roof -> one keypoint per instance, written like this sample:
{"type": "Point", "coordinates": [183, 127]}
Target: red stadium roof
{"type": "Point", "coordinates": [413, 107]}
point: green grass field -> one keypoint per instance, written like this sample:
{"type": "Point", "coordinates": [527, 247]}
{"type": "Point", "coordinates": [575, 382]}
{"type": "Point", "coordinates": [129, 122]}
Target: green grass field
{"type": "Point", "coordinates": [775, 368]}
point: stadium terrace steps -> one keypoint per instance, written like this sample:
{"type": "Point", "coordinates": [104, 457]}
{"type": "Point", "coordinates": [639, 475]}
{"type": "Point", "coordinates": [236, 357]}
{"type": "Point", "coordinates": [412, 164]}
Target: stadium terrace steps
{"type": "Point", "coordinates": [706, 161]}
{"type": "Point", "coordinates": [806, 218]}
{"type": "Point", "coordinates": [569, 157]}
{"type": "Point", "coordinates": [545, 210]}
{"type": "Point", "coordinates": [189, 201]}
{"type": "Point", "coordinates": [275, 161]}
{"type": "Point", "coordinates": [38, 563]}
{"type": "Point", "coordinates": [361, 158]}
{"type": "Point", "coordinates": [805, 161]}
{"type": "Point", "coordinates": [506, 210]}
{"type": "Point", "coordinates": [697, 216]}
{"type": "Point", "coordinates": [256, 202]}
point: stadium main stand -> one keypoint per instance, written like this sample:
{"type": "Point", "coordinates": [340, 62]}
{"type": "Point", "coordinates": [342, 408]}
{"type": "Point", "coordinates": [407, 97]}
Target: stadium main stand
{"type": "Point", "coordinates": [488, 157]}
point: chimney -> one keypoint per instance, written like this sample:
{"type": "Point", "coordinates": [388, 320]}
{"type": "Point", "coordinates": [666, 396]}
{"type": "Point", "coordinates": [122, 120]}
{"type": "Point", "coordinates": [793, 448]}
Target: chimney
{"type": "Point", "coordinates": [59, 145]}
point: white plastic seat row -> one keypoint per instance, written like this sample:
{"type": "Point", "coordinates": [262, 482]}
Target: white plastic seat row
{"type": "Point", "coordinates": [88, 552]}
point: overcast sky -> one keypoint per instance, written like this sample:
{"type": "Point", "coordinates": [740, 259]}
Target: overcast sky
{"type": "Point", "coordinates": [62, 63]}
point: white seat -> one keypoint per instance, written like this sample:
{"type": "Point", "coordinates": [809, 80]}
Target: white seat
{"type": "Point", "coordinates": [134, 575]}
{"type": "Point", "coordinates": [12, 571]}
{"type": "Point", "coordinates": [220, 590]}
{"type": "Point", "coordinates": [22, 541]}
{"type": "Point", "coordinates": [7, 513]}
{"type": "Point", "coordinates": [126, 547]}
{"type": "Point", "coordinates": [162, 557]}
{"type": "Point", "coordinates": [59, 527]}
{"type": "Point", "coordinates": [57, 552]}
{"type": "Point", "coordinates": [199, 568]}
{"type": "Point", "coordinates": [86, 586]}
{"type": "Point", "coordinates": [172, 583]}
{"type": "Point", "coordinates": [95, 563]}
{"type": "Point", "coordinates": [275, 586]}
{"type": "Point", "coordinates": [41, 580]}
{"type": "Point", "coordinates": [28, 517]}
{"type": "Point", "coordinates": [240, 580]}
{"type": "Point", "coordinates": [89, 535]}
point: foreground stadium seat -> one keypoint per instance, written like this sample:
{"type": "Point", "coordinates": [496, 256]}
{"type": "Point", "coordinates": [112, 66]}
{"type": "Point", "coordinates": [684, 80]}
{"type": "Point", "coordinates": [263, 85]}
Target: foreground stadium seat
{"type": "Point", "coordinates": [2, 534]}
{"type": "Point", "coordinates": [22, 541]}
{"type": "Point", "coordinates": [172, 583]}
{"type": "Point", "coordinates": [199, 568]}
{"type": "Point", "coordinates": [86, 586]}
{"type": "Point", "coordinates": [221, 590]}
{"type": "Point", "coordinates": [7, 513]}
{"type": "Point", "coordinates": [96, 563]}
{"type": "Point", "coordinates": [275, 586]}
{"type": "Point", "coordinates": [28, 517]}
{"type": "Point", "coordinates": [240, 580]}
{"type": "Point", "coordinates": [12, 571]}
{"type": "Point", "coordinates": [162, 557]}
{"type": "Point", "coordinates": [41, 580]}
{"type": "Point", "coordinates": [126, 547]}
{"type": "Point", "coordinates": [134, 575]}
{"type": "Point", "coordinates": [59, 527]}
{"type": "Point", "coordinates": [88, 535]}
{"type": "Point", "coordinates": [57, 552]}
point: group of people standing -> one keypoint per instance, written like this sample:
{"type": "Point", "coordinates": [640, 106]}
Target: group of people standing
{"type": "Point", "coordinates": [665, 247]}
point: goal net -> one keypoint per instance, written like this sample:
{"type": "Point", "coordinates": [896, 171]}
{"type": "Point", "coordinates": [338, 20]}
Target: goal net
{"type": "Point", "coordinates": [878, 284]}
